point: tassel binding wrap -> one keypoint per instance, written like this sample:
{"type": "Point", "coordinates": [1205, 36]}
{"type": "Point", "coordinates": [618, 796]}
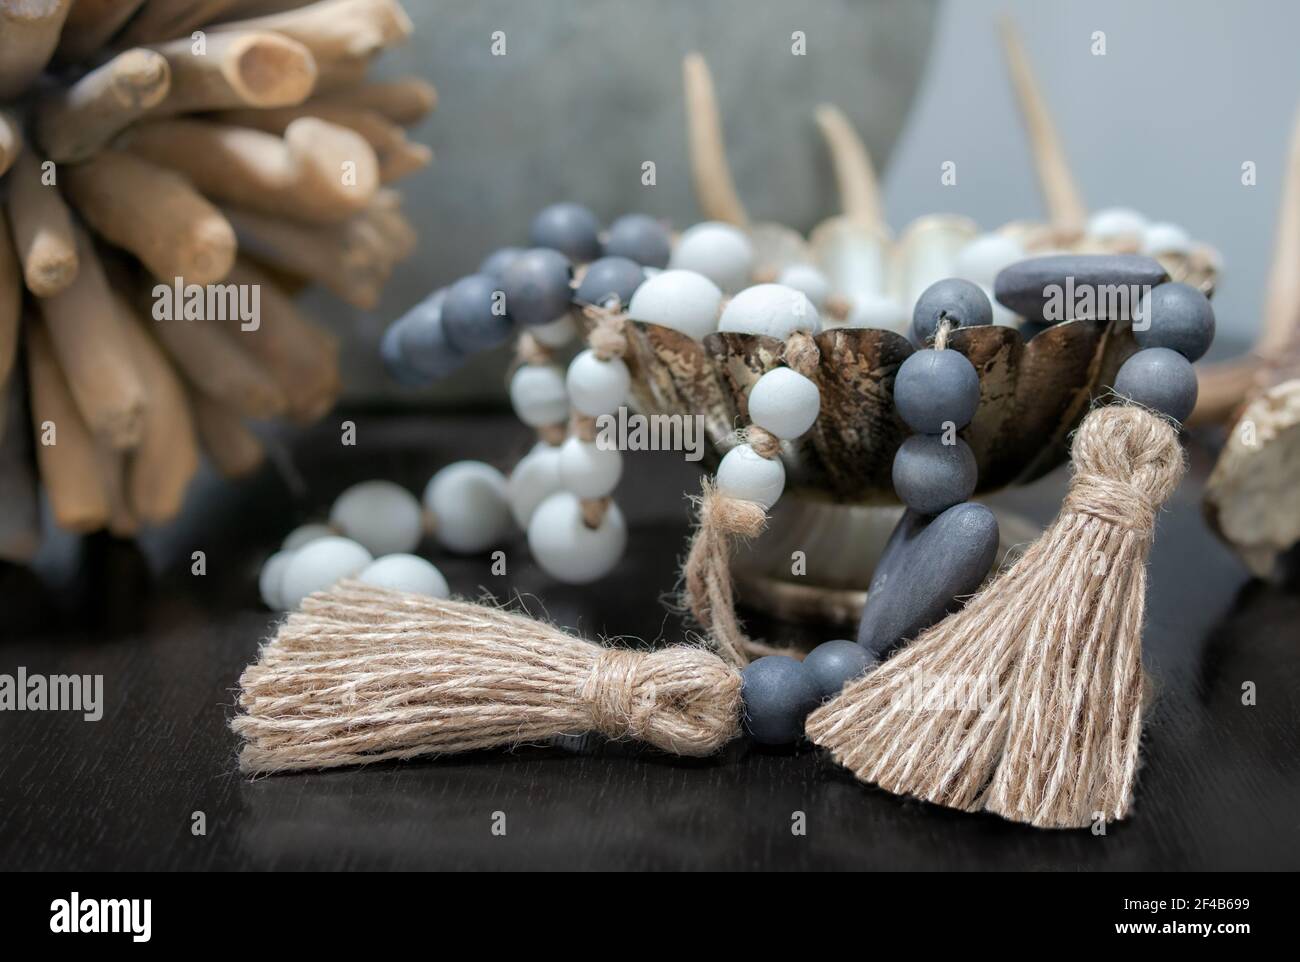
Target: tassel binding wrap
{"type": "Point", "coordinates": [1054, 643]}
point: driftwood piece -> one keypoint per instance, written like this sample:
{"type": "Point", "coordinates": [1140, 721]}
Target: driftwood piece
{"type": "Point", "coordinates": [318, 172]}
{"type": "Point", "coordinates": [155, 214]}
{"type": "Point", "coordinates": [75, 122]}
{"type": "Point", "coordinates": [42, 228]}
{"type": "Point", "coordinates": [239, 69]}
{"type": "Point", "coordinates": [86, 338]}
{"type": "Point", "coordinates": [91, 24]}
{"type": "Point", "coordinates": [11, 300]}
{"type": "Point", "coordinates": [233, 449]}
{"type": "Point", "coordinates": [29, 32]}
{"type": "Point", "coordinates": [114, 467]}
{"type": "Point", "coordinates": [20, 517]}
{"type": "Point", "coordinates": [854, 173]}
{"type": "Point", "coordinates": [715, 191]}
{"type": "Point", "coordinates": [405, 101]}
{"type": "Point", "coordinates": [335, 30]}
{"type": "Point", "coordinates": [11, 140]}
{"type": "Point", "coordinates": [164, 19]}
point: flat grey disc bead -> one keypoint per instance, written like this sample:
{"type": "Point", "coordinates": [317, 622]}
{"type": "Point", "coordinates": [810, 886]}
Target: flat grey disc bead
{"type": "Point", "coordinates": [641, 238]}
{"type": "Point", "coordinates": [1029, 286]}
{"type": "Point", "coordinates": [1159, 378]}
{"type": "Point", "coordinates": [778, 692]}
{"type": "Point", "coordinates": [936, 387]}
{"type": "Point", "coordinates": [569, 228]}
{"type": "Point", "coordinates": [1180, 318]}
{"type": "Point", "coordinates": [963, 303]}
{"type": "Point", "coordinates": [536, 286]}
{"type": "Point", "coordinates": [468, 318]}
{"type": "Point", "coordinates": [930, 476]}
{"type": "Point", "coordinates": [834, 664]}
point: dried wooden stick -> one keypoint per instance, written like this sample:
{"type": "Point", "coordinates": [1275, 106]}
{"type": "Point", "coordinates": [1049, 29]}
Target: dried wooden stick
{"type": "Point", "coordinates": [11, 140]}
{"type": "Point", "coordinates": [336, 29]}
{"type": "Point", "coordinates": [239, 69]}
{"type": "Point", "coordinates": [854, 173]}
{"type": "Point", "coordinates": [20, 521]}
{"type": "Point", "coordinates": [319, 172]}
{"type": "Point", "coordinates": [91, 24]}
{"type": "Point", "coordinates": [164, 19]}
{"type": "Point", "coordinates": [715, 191]}
{"type": "Point", "coordinates": [68, 466]}
{"type": "Point", "coordinates": [405, 101]}
{"type": "Point", "coordinates": [113, 472]}
{"type": "Point", "coordinates": [233, 449]}
{"type": "Point", "coordinates": [42, 229]}
{"type": "Point", "coordinates": [85, 336]}
{"type": "Point", "coordinates": [155, 214]}
{"type": "Point", "coordinates": [11, 300]}
{"type": "Point", "coordinates": [29, 32]}
{"type": "Point", "coordinates": [165, 461]}
{"type": "Point", "coordinates": [75, 122]}
{"type": "Point", "coordinates": [1065, 207]}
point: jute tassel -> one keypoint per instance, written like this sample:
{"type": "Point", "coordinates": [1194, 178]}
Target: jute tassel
{"type": "Point", "coordinates": [362, 674]}
{"type": "Point", "coordinates": [1028, 701]}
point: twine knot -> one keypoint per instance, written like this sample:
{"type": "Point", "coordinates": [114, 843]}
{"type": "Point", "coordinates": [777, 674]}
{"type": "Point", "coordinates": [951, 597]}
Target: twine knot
{"type": "Point", "coordinates": [730, 516]}
{"type": "Point", "coordinates": [1127, 463]}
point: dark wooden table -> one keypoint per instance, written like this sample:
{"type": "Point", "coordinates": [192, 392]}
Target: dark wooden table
{"type": "Point", "coordinates": [1219, 789]}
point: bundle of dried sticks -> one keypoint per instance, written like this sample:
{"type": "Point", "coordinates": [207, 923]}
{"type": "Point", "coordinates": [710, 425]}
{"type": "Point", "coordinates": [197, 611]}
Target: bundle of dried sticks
{"type": "Point", "coordinates": [187, 144]}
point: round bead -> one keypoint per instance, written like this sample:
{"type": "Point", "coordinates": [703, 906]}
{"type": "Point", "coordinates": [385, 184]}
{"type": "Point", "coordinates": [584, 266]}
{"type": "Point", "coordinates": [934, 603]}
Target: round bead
{"type": "Point", "coordinates": [538, 395]}
{"type": "Point", "coordinates": [588, 470]}
{"type": "Point", "coordinates": [318, 565]}
{"type": "Point", "coordinates": [746, 475]}
{"type": "Point", "coordinates": [773, 310]}
{"type": "Point", "coordinates": [930, 476]}
{"type": "Point", "coordinates": [556, 333]}
{"type": "Point", "coordinates": [535, 478]}
{"type": "Point", "coordinates": [608, 279]}
{"type": "Point", "coordinates": [784, 402]}
{"type": "Point", "coordinates": [381, 516]}
{"type": "Point", "coordinates": [568, 228]}
{"type": "Point", "coordinates": [1179, 317]}
{"type": "Point", "coordinates": [1159, 378]}
{"type": "Point", "coordinates": [422, 340]}
{"type": "Point", "coordinates": [306, 533]}
{"type": "Point", "coordinates": [810, 281]}
{"type": "Point", "coordinates": [569, 551]}
{"type": "Point", "coordinates": [469, 506]}
{"type": "Point", "coordinates": [933, 388]}
{"type": "Point", "coordinates": [1165, 238]}
{"type": "Point", "coordinates": [405, 572]}
{"type": "Point", "coordinates": [1114, 223]}
{"type": "Point", "coordinates": [496, 263]}
{"type": "Point", "coordinates": [597, 386]}
{"type": "Point", "coordinates": [877, 311]}
{"type": "Point", "coordinates": [641, 238]}
{"type": "Point", "coordinates": [536, 285]}
{"type": "Point", "coordinates": [683, 300]}
{"type": "Point", "coordinates": [270, 578]}
{"type": "Point", "coordinates": [390, 352]}
{"type": "Point", "coordinates": [473, 314]}
{"type": "Point", "coordinates": [960, 301]}
{"type": "Point", "coordinates": [778, 693]}
{"type": "Point", "coordinates": [982, 258]}
{"type": "Point", "coordinates": [835, 663]}
{"type": "Point", "coordinates": [720, 252]}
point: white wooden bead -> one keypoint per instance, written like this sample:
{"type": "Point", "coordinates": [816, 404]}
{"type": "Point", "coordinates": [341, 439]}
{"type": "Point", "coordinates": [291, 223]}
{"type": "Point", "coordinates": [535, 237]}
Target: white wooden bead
{"type": "Point", "coordinates": [268, 582]}
{"type": "Point", "coordinates": [746, 475]}
{"type": "Point", "coordinates": [683, 300]}
{"type": "Point", "coordinates": [1165, 238]}
{"type": "Point", "coordinates": [382, 516]}
{"type": "Point", "coordinates": [719, 251]}
{"type": "Point", "coordinates": [556, 333]}
{"type": "Point", "coordinates": [589, 471]}
{"type": "Point", "coordinates": [784, 402]}
{"type": "Point", "coordinates": [566, 549]}
{"type": "Point", "coordinates": [319, 565]}
{"type": "Point", "coordinates": [596, 386]}
{"type": "Point", "coordinates": [304, 533]}
{"type": "Point", "coordinates": [808, 279]}
{"type": "Point", "coordinates": [770, 309]}
{"type": "Point", "coordinates": [879, 311]}
{"type": "Point", "coordinates": [405, 572]}
{"type": "Point", "coordinates": [535, 478]}
{"type": "Point", "coordinates": [470, 509]}
{"type": "Point", "coordinates": [982, 259]}
{"type": "Point", "coordinates": [538, 396]}
{"type": "Point", "coordinates": [1115, 222]}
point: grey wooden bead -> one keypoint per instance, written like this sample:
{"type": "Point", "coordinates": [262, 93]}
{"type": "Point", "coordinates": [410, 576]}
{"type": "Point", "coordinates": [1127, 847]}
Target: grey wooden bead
{"type": "Point", "coordinates": [422, 342]}
{"type": "Point", "coordinates": [610, 277]}
{"type": "Point", "coordinates": [778, 693]}
{"type": "Point", "coordinates": [536, 286]}
{"type": "Point", "coordinates": [1030, 286]}
{"type": "Point", "coordinates": [936, 387]}
{"type": "Point", "coordinates": [495, 264]}
{"type": "Point", "coordinates": [469, 318]}
{"type": "Point", "coordinates": [641, 238]}
{"type": "Point", "coordinates": [1159, 378]}
{"type": "Point", "coordinates": [835, 663]}
{"type": "Point", "coordinates": [960, 301]}
{"type": "Point", "coordinates": [930, 476]}
{"type": "Point", "coordinates": [390, 352]}
{"type": "Point", "coordinates": [927, 567]}
{"type": "Point", "coordinates": [568, 228]}
{"type": "Point", "coordinates": [1178, 317]}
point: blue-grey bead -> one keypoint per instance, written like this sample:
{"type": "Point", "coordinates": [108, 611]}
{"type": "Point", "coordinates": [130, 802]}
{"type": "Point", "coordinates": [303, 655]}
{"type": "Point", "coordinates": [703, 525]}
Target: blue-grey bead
{"type": "Point", "coordinates": [610, 277]}
{"type": "Point", "coordinates": [473, 315]}
{"type": "Point", "coordinates": [537, 286]}
{"type": "Point", "coordinates": [834, 663]}
{"type": "Point", "coordinates": [1180, 318]}
{"type": "Point", "coordinates": [390, 352]}
{"type": "Point", "coordinates": [495, 264]}
{"type": "Point", "coordinates": [641, 238]}
{"type": "Point", "coordinates": [928, 567]}
{"type": "Point", "coordinates": [961, 302]}
{"type": "Point", "coordinates": [778, 693]}
{"type": "Point", "coordinates": [930, 476]}
{"type": "Point", "coordinates": [568, 228]}
{"type": "Point", "coordinates": [1051, 288]}
{"type": "Point", "coordinates": [934, 388]}
{"type": "Point", "coordinates": [422, 342]}
{"type": "Point", "coordinates": [1159, 378]}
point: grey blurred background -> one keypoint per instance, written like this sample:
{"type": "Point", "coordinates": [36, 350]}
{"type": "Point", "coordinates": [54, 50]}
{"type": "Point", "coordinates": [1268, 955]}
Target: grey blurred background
{"type": "Point", "coordinates": [589, 89]}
